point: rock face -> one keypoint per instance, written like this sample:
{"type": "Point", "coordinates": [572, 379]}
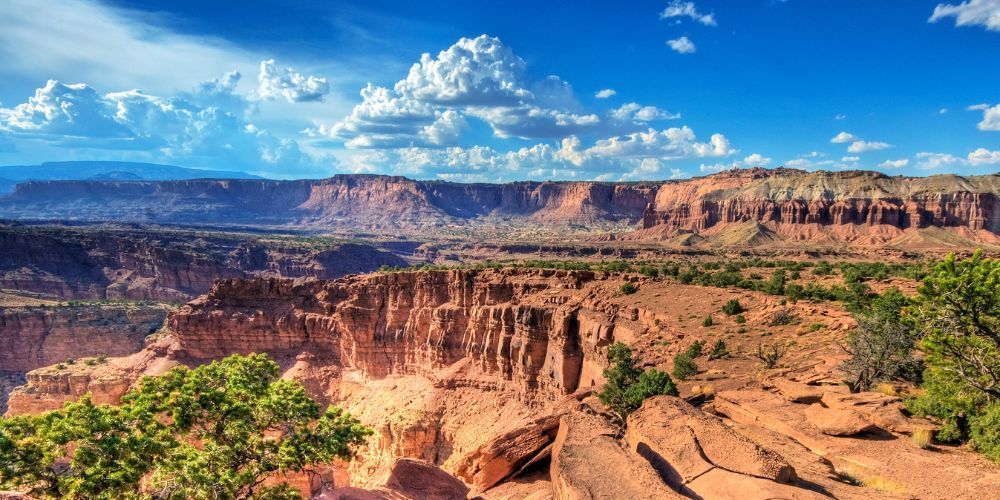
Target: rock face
{"type": "Point", "coordinates": [796, 201]}
{"type": "Point", "coordinates": [160, 265]}
{"type": "Point", "coordinates": [400, 323]}
{"type": "Point", "coordinates": [33, 337]}
{"type": "Point", "coordinates": [797, 198]}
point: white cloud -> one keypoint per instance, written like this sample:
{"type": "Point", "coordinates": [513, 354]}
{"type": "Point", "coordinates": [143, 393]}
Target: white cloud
{"type": "Point", "coordinates": [844, 137]}
{"type": "Point", "coordinates": [851, 159]}
{"type": "Point", "coordinates": [682, 45]}
{"type": "Point", "coordinates": [865, 146]}
{"type": "Point", "coordinates": [605, 93]}
{"type": "Point", "coordinates": [894, 163]}
{"type": "Point", "coordinates": [977, 107]}
{"type": "Point", "coordinates": [983, 156]}
{"type": "Point", "coordinates": [275, 82]}
{"type": "Point", "coordinates": [635, 112]}
{"type": "Point", "coordinates": [754, 160]}
{"type": "Point", "coordinates": [529, 121]}
{"type": "Point", "coordinates": [170, 129]}
{"type": "Point", "coordinates": [473, 71]}
{"type": "Point", "coordinates": [943, 111]}
{"type": "Point", "coordinates": [984, 13]}
{"type": "Point", "coordinates": [677, 8]}
{"type": "Point", "coordinates": [672, 143]}
{"type": "Point", "coordinates": [839, 117]}
{"type": "Point", "coordinates": [931, 161]}
{"type": "Point", "coordinates": [641, 156]}
{"type": "Point", "coordinates": [991, 119]}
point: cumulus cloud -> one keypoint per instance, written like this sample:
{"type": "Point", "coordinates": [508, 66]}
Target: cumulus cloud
{"type": "Point", "coordinates": [605, 93]}
{"type": "Point", "coordinates": [528, 121]}
{"type": "Point", "coordinates": [274, 82]}
{"type": "Point", "coordinates": [844, 137]}
{"type": "Point", "coordinates": [865, 146]}
{"type": "Point", "coordinates": [174, 129]}
{"type": "Point", "coordinates": [983, 156]}
{"type": "Point", "coordinates": [754, 160]}
{"type": "Point", "coordinates": [991, 119]}
{"type": "Point", "coordinates": [984, 13]}
{"type": "Point", "coordinates": [857, 144]}
{"type": "Point", "coordinates": [473, 71]}
{"type": "Point", "coordinates": [894, 163]}
{"type": "Point", "coordinates": [682, 45]}
{"type": "Point", "coordinates": [639, 156]}
{"type": "Point", "coordinates": [677, 8]}
{"type": "Point", "coordinates": [635, 112]}
{"type": "Point", "coordinates": [931, 161]}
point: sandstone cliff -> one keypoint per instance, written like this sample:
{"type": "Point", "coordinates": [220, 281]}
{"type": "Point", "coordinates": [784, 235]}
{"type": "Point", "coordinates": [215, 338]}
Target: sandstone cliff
{"type": "Point", "coordinates": [156, 264]}
{"type": "Point", "coordinates": [793, 204]}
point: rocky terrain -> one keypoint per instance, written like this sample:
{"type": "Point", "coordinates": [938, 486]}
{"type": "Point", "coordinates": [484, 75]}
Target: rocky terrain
{"type": "Point", "coordinates": [484, 380]}
{"type": "Point", "coordinates": [750, 207]}
{"type": "Point", "coordinates": [164, 265]}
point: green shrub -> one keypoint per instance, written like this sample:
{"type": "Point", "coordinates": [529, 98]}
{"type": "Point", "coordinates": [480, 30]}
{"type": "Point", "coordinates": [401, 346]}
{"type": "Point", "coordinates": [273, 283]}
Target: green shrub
{"type": "Point", "coordinates": [708, 321]}
{"type": "Point", "coordinates": [684, 366]}
{"type": "Point", "coordinates": [732, 307]}
{"type": "Point", "coordinates": [628, 288]}
{"type": "Point", "coordinates": [823, 268]}
{"type": "Point", "coordinates": [740, 319]}
{"type": "Point", "coordinates": [695, 349]}
{"type": "Point", "coordinates": [649, 271]}
{"type": "Point", "coordinates": [626, 386]}
{"type": "Point", "coordinates": [719, 350]}
{"type": "Point", "coordinates": [984, 432]}
{"type": "Point", "coordinates": [782, 317]}
{"type": "Point", "coordinates": [770, 355]}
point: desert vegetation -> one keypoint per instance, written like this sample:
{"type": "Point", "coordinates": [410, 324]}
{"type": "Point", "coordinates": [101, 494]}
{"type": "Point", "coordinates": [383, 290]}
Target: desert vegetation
{"type": "Point", "coordinates": [216, 431]}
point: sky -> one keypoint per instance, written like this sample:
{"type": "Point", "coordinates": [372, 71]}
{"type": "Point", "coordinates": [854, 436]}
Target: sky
{"type": "Point", "coordinates": [499, 91]}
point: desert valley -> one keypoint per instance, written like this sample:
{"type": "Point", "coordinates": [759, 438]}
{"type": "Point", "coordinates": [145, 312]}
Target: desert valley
{"type": "Point", "coordinates": [559, 250]}
{"type": "Point", "coordinates": [469, 325]}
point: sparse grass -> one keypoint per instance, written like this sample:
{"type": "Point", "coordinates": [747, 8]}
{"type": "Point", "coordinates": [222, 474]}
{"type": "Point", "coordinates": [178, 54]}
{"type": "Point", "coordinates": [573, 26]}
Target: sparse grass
{"type": "Point", "coordinates": [923, 437]}
{"type": "Point", "coordinates": [855, 476]}
{"type": "Point", "coordinates": [707, 390]}
{"type": "Point", "coordinates": [886, 388]}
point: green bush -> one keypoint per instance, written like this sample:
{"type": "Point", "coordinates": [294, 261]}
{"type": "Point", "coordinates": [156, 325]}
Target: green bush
{"type": "Point", "coordinates": [740, 319]}
{"type": "Point", "coordinates": [732, 307]}
{"type": "Point", "coordinates": [628, 288]}
{"type": "Point", "coordinates": [684, 366]}
{"type": "Point", "coordinates": [695, 349]}
{"type": "Point", "coordinates": [626, 386]}
{"type": "Point", "coordinates": [719, 350]}
{"type": "Point", "coordinates": [782, 317]}
{"type": "Point", "coordinates": [984, 433]}
{"type": "Point", "coordinates": [708, 321]}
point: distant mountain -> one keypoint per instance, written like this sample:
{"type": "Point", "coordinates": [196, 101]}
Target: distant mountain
{"type": "Point", "coordinates": [108, 170]}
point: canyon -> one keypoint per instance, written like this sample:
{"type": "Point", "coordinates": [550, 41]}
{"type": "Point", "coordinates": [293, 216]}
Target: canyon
{"type": "Point", "coordinates": [785, 205]}
{"type": "Point", "coordinates": [487, 376]}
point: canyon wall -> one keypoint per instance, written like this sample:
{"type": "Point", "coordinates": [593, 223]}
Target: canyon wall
{"type": "Point", "coordinates": [391, 204]}
{"type": "Point", "coordinates": [151, 264]}
{"type": "Point", "coordinates": [525, 327]}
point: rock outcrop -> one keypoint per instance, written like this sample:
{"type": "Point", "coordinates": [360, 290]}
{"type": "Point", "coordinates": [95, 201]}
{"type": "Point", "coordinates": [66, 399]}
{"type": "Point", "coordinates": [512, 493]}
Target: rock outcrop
{"type": "Point", "coordinates": [171, 266]}
{"type": "Point", "coordinates": [794, 203]}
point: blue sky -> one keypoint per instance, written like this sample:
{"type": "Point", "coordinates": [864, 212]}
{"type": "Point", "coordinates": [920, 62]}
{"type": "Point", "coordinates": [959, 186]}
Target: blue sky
{"type": "Point", "coordinates": [499, 91]}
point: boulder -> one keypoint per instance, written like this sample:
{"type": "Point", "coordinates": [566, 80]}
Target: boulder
{"type": "Point", "coordinates": [409, 479]}
{"type": "Point", "coordinates": [507, 453]}
{"type": "Point", "coordinates": [798, 392]}
{"type": "Point", "coordinates": [683, 443]}
{"type": "Point", "coordinates": [837, 421]}
{"type": "Point", "coordinates": [588, 462]}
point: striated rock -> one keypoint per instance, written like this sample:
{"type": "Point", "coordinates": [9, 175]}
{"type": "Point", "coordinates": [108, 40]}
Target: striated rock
{"type": "Point", "coordinates": [33, 337]}
{"type": "Point", "coordinates": [507, 453]}
{"type": "Point", "coordinates": [800, 205]}
{"type": "Point", "coordinates": [161, 265]}
{"type": "Point", "coordinates": [587, 462]}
